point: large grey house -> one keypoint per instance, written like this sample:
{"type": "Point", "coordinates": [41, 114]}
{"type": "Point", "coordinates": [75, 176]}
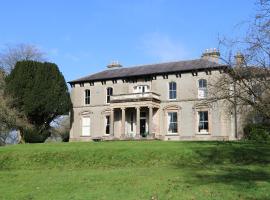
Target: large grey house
{"type": "Point", "coordinates": [164, 101]}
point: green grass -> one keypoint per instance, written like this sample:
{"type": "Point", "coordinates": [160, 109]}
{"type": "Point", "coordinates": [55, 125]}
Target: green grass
{"type": "Point", "coordinates": [135, 170]}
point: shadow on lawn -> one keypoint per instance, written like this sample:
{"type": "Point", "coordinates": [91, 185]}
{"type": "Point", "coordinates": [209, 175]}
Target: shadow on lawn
{"type": "Point", "coordinates": [234, 153]}
{"type": "Point", "coordinates": [240, 165]}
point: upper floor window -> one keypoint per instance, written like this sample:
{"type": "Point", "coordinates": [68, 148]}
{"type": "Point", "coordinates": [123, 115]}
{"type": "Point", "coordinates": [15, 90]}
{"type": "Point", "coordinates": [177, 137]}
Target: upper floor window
{"type": "Point", "coordinates": [87, 97]}
{"type": "Point", "coordinates": [141, 88]}
{"type": "Point", "coordinates": [172, 90]}
{"type": "Point", "coordinates": [109, 94]}
{"type": "Point", "coordinates": [202, 91]}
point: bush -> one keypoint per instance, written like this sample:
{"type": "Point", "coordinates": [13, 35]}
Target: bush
{"type": "Point", "coordinates": [257, 132]}
{"type": "Point", "coordinates": [65, 136]}
{"type": "Point", "coordinates": [33, 136]}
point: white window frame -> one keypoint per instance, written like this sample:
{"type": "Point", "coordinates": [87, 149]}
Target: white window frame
{"type": "Point", "coordinates": [202, 90]}
{"type": "Point", "coordinates": [174, 122]}
{"type": "Point", "coordinates": [202, 131]}
{"type": "Point", "coordinates": [108, 95]}
{"type": "Point", "coordinates": [86, 127]}
{"type": "Point", "coordinates": [172, 82]}
{"type": "Point", "coordinates": [87, 98]}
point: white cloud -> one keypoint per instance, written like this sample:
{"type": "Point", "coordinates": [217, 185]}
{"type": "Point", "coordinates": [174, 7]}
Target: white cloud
{"type": "Point", "coordinates": [163, 47]}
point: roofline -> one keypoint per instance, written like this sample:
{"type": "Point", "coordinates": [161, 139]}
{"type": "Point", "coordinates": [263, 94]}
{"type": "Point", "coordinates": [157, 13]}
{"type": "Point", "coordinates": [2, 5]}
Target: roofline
{"type": "Point", "coordinates": [145, 75]}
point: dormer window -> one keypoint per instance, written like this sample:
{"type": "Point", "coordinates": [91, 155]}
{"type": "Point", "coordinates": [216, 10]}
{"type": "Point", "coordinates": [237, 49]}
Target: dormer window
{"type": "Point", "coordinates": [172, 90]}
{"type": "Point", "coordinates": [141, 89]}
{"type": "Point", "coordinates": [202, 89]}
{"type": "Point", "coordinates": [109, 94]}
{"type": "Point", "coordinates": [87, 97]}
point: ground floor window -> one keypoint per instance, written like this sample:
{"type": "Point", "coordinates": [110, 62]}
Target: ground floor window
{"type": "Point", "coordinates": [203, 121]}
{"type": "Point", "coordinates": [86, 126]}
{"type": "Point", "coordinates": [107, 124]}
{"type": "Point", "coordinates": [172, 122]}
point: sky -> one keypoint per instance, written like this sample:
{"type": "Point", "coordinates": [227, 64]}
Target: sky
{"type": "Point", "coordinates": [83, 36]}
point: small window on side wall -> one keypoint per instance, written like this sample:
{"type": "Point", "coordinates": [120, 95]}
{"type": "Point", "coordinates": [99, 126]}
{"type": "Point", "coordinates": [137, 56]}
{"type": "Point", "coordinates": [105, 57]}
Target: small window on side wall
{"type": "Point", "coordinates": [202, 90]}
{"type": "Point", "coordinates": [87, 97]}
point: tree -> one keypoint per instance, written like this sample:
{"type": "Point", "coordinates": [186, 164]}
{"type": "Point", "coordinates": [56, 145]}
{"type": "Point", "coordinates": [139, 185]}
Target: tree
{"type": "Point", "coordinates": [39, 91]}
{"type": "Point", "coordinates": [9, 118]}
{"type": "Point", "coordinates": [11, 54]}
{"type": "Point", "coordinates": [246, 84]}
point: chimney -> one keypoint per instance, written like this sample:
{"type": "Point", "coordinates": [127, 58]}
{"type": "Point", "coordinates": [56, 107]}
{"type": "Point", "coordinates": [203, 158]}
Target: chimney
{"type": "Point", "coordinates": [211, 55]}
{"type": "Point", "coordinates": [239, 59]}
{"type": "Point", "coordinates": [114, 65]}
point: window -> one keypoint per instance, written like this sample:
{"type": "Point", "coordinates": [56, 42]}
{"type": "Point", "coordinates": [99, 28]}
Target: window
{"type": "Point", "coordinates": [86, 126]}
{"type": "Point", "coordinates": [87, 97]}
{"type": "Point", "coordinates": [141, 89]}
{"type": "Point", "coordinates": [172, 90]}
{"type": "Point", "coordinates": [107, 125]}
{"type": "Point", "coordinates": [202, 91]}
{"type": "Point", "coordinates": [109, 94]}
{"type": "Point", "coordinates": [203, 122]}
{"type": "Point", "coordinates": [172, 122]}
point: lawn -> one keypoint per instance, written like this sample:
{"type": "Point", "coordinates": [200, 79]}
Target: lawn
{"type": "Point", "coordinates": [135, 170]}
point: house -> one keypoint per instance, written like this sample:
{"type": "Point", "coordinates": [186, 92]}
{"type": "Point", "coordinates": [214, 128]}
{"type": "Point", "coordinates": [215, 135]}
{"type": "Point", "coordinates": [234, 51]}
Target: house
{"type": "Point", "coordinates": [164, 101]}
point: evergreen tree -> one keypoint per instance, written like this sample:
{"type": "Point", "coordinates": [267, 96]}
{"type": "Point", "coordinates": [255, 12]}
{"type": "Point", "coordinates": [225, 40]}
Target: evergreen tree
{"type": "Point", "coordinates": [39, 91]}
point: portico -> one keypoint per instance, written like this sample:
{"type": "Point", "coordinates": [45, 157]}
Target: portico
{"type": "Point", "coordinates": [139, 121]}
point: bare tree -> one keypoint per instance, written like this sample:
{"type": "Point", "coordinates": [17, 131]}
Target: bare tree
{"type": "Point", "coordinates": [246, 84]}
{"type": "Point", "coordinates": [11, 54]}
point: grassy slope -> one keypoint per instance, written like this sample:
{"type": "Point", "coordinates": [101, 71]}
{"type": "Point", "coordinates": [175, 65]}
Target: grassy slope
{"type": "Point", "coordinates": [135, 170]}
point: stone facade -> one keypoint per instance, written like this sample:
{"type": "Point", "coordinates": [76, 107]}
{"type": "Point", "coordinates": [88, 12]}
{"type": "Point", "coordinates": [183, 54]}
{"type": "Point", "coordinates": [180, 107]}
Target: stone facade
{"type": "Point", "coordinates": [167, 106]}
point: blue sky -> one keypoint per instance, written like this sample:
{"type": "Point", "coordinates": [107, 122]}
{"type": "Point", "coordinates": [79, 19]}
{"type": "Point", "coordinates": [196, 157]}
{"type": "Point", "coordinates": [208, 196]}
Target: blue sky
{"type": "Point", "coordinates": [82, 37]}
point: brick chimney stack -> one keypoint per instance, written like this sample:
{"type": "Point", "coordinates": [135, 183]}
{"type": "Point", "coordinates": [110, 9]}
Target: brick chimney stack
{"type": "Point", "coordinates": [239, 59]}
{"type": "Point", "coordinates": [212, 55]}
{"type": "Point", "coordinates": [114, 65]}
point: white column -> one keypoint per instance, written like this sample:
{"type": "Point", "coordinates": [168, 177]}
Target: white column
{"type": "Point", "coordinates": [112, 122]}
{"type": "Point", "coordinates": [150, 126]}
{"type": "Point", "coordinates": [137, 121]}
{"type": "Point", "coordinates": [123, 128]}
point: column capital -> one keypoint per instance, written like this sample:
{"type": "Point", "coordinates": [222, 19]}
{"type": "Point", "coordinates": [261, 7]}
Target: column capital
{"type": "Point", "coordinates": [138, 107]}
{"type": "Point", "coordinates": [123, 108]}
{"type": "Point", "coordinates": [150, 106]}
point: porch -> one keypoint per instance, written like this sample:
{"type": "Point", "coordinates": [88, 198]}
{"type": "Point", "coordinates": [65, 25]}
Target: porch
{"type": "Point", "coordinates": [133, 122]}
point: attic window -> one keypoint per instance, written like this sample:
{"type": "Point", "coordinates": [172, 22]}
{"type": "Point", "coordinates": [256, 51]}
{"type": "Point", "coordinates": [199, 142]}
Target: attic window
{"type": "Point", "coordinates": [114, 81]}
{"type": "Point", "coordinates": [91, 83]}
{"type": "Point", "coordinates": [81, 84]}
{"type": "Point", "coordinates": [103, 82]}
{"type": "Point", "coordinates": [72, 85]}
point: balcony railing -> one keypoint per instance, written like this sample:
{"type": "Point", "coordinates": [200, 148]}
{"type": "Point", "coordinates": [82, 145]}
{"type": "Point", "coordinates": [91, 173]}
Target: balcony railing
{"type": "Point", "coordinates": [146, 96]}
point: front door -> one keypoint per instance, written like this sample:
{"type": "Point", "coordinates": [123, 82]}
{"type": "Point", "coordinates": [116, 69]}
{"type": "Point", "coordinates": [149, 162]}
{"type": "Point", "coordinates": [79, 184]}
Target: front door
{"type": "Point", "coordinates": [143, 127]}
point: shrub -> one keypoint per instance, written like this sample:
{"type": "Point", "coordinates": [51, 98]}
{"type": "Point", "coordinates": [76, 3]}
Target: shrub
{"type": "Point", "coordinates": [33, 136]}
{"type": "Point", "coordinates": [257, 132]}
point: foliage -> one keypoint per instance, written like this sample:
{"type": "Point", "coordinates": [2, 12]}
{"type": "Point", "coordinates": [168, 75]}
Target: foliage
{"type": "Point", "coordinates": [257, 132]}
{"type": "Point", "coordinates": [11, 54]}
{"type": "Point", "coordinates": [246, 83]}
{"type": "Point", "coordinates": [39, 91]}
{"type": "Point", "coordinates": [32, 135]}
{"type": "Point", "coordinates": [136, 170]}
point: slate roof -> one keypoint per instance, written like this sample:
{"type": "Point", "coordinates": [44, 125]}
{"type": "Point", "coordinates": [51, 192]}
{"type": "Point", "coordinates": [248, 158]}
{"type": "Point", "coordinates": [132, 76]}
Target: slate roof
{"type": "Point", "coordinates": [151, 69]}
